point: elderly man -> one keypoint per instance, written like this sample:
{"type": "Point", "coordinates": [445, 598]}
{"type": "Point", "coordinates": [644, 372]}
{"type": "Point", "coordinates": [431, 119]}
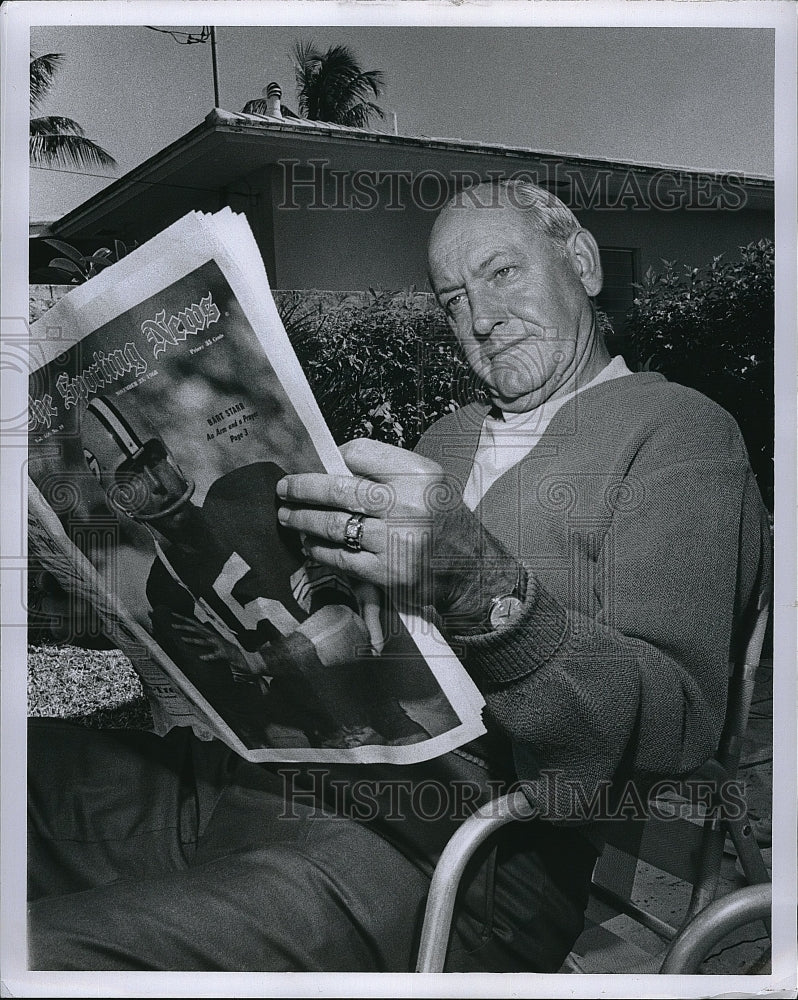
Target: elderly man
{"type": "Point", "coordinates": [601, 543]}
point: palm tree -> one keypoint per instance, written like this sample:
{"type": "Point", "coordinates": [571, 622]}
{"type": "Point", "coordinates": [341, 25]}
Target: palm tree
{"type": "Point", "coordinates": [55, 140]}
{"type": "Point", "coordinates": [331, 86]}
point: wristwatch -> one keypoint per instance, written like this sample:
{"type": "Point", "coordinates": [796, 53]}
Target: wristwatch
{"type": "Point", "coordinates": [505, 608]}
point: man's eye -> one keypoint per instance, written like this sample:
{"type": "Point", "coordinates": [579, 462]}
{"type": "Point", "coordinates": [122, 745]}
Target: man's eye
{"type": "Point", "coordinates": [454, 304]}
{"type": "Point", "coordinates": [503, 272]}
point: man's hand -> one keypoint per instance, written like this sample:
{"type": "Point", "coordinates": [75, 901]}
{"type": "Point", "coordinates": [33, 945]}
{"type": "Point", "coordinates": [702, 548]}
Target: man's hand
{"type": "Point", "coordinates": [418, 540]}
{"type": "Point", "coordinates": [390, 487]}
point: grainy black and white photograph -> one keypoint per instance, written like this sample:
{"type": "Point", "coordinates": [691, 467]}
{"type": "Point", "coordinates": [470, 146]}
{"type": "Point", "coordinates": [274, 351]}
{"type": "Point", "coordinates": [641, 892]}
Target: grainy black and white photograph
{"type": "Point", "coordinates": [398, 554]}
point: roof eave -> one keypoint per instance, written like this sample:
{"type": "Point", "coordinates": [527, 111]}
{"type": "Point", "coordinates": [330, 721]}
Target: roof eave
{"type": "Point", "coordinates": [104, 200]}
{"type": "Point", "coordinates": [220, 121]}
{"type": "Point", "coordinates": [225, 119]}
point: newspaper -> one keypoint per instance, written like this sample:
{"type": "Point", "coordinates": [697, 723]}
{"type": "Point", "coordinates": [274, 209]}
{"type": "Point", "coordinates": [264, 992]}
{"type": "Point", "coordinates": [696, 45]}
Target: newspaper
{"type": "Point", "coordinates": [165, 404]}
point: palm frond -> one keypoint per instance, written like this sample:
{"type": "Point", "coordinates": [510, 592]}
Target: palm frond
{"type": "Point", "coordinates": [374, 80]}
{"type": "Point", "coordinates": [360, 115]}
{"type": "Point", "coordinates": [331, 86]}
{"type": "Point", "coordinates": [305, 54]}
{"type": "Point", "coordinates": [55, 125]}
{"type": "Point", "coordinates": [58, 149]}
{"type": "Point", "coordinates": [260, 106]}
{"type": "Point", "coordinates": [306, 63]}
{"type": "Point", "coordinates": [339, 60]}
{"type": "Point", "coordinates": [42, 73]}
{"type": "Point", "coordinates": [54, 139]}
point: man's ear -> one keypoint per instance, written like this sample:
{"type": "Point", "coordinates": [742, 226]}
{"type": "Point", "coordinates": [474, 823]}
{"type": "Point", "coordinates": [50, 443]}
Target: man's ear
{"type": "Point", "coordinates": [584, 253]}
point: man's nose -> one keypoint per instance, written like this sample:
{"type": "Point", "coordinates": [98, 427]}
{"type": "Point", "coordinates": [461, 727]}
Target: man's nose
{"type": "Point", "coordinates": [485, 317]}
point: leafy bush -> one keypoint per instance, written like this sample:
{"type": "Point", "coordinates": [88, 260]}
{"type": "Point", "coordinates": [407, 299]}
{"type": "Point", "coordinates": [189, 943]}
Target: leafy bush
{"type": "Point", "coordinates": [712, 328]}
{"type": "Point", "coordinates": [383, 365]}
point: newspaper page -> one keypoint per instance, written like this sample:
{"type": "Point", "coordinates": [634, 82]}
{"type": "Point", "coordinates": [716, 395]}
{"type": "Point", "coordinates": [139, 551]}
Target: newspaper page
{"type": "Point", "coordinates": [165, 404]}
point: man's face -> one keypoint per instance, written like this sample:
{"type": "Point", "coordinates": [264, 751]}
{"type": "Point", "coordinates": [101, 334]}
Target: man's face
{"type": "Point", "coordinates": [517, 303]}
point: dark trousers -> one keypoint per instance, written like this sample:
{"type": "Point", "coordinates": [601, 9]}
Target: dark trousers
{"type": "Point", "coordinates": [150, 853]}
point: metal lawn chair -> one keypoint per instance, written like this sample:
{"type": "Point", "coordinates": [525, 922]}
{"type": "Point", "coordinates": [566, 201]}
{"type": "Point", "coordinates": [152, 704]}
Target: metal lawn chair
{"type": "Point", "coordinates": [686, 849]}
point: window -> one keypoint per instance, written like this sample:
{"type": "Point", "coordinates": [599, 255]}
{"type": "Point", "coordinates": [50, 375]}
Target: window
{"type": "Point", "coordinates": [617, 295]}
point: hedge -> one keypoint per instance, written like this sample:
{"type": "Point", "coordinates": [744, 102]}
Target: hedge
{"type": "Point", "coordinates": [382, 365]}
{"type": "Point", "coordinates": [712, 328]}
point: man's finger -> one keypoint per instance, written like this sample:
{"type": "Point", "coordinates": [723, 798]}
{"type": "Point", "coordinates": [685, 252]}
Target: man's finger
{"type": "Point", "coordinates": [382, 462]}
{"type": "Point", "coordinates": [362, 565]}
{"type": "Point", "coordinates": [345, 493]}
{"type": "Point", "coordinates": [331, 525]}
{"type": "Point", "coordinates": [368, 599]}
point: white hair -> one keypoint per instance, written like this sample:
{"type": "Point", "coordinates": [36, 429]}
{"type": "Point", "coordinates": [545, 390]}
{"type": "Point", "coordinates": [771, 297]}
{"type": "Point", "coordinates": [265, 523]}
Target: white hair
{"type": "Point", "coordinates": [544, 210]}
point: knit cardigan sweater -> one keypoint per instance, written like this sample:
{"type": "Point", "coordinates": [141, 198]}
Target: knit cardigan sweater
{"type": "Point", "coordinates": [641, 527]}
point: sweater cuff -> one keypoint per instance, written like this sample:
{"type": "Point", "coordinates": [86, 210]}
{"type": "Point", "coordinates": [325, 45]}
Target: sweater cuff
{"type": "Point", "coordinates": [514, 651]}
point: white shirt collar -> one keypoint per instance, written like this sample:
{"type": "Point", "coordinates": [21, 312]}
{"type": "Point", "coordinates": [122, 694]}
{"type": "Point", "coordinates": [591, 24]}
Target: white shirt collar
{"type": "Point", "coordinates": [508, 438]}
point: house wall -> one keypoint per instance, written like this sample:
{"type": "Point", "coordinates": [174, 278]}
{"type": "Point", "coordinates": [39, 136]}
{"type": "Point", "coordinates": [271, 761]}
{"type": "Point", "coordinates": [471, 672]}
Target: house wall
{"type": "Point", "coordinates": [688, 237]}
{"type": "Point", "coordinates": [383, 246]}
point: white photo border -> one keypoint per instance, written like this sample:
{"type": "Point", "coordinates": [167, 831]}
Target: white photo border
{"type": "Point", "coordinates": [16, 19]}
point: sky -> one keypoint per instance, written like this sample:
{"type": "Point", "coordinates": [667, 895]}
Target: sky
{"type": "Point", "coordinates": [693, 97]}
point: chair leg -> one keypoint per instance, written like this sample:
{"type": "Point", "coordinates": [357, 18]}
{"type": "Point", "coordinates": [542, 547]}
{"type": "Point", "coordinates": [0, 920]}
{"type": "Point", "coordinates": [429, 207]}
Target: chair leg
{"type": "Point", "coordinates": [751, 860]}
{"type": "Point", "coordinates": [706, 884]}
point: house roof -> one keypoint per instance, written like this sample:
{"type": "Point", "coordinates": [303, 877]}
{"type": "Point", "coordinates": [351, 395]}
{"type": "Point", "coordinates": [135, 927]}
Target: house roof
{"type": "Point", "coordinates": [456, 144]}
{"type": "Point", "coordinates": [305, 123]}
{"type": "Point", "coordinates": [228, 146]}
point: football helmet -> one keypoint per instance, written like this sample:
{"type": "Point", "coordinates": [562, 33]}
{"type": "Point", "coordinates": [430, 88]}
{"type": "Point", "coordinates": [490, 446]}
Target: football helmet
{"type": "Point", "coordinates": [140, 476]}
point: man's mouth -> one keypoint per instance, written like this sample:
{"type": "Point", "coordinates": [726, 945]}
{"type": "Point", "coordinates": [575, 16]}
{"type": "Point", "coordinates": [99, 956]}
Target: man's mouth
{"type": "Point", "coordinates": [492, 352]}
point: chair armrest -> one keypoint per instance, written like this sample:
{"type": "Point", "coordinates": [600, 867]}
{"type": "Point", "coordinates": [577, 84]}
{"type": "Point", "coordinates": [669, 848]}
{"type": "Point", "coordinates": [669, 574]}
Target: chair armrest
{"type": "Point", "coordinates": [449, 870]}
{"type": "Point", "coordinates": [712, 924]}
